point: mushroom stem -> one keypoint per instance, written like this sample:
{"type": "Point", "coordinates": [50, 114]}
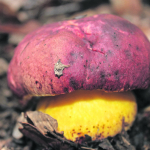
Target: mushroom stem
{"type": "Point", "coordinates": [95, 113]}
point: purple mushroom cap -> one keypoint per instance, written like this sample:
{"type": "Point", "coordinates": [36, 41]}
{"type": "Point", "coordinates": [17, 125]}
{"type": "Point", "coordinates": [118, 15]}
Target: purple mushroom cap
{"type": "Point", "coordinates": [99, 52]}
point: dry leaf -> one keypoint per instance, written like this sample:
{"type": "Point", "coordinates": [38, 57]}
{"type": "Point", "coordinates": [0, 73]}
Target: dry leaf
{"type": "Point", "coordinates": [34, 134]}
{"type": "Point", "coordinates": [41, 120]}
{"type": "Point", "coordinates": [42, 129]}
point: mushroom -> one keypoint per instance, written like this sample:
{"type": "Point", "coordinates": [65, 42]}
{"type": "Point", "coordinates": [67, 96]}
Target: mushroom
{"type": "Point", "coordinates": [85, 70]}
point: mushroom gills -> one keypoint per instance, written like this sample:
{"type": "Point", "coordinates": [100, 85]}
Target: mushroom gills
{"type": "Point", "coordinates": [94, 113]}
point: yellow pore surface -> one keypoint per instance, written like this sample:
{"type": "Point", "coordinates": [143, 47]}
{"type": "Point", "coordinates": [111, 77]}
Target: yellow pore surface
{"type": "Point", "coordinates": [95, 113]}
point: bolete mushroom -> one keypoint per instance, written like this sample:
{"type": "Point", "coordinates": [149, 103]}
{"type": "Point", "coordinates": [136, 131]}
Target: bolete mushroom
{"type": "Point", "coordinates": [85, 69]}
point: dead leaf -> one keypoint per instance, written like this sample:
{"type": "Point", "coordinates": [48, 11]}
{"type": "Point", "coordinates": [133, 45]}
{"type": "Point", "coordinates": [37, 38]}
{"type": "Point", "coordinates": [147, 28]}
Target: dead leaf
{"type": "Point", "coordinates": [34, 134]}
{"type": "Point", "coordinates": [42, 129]}
{"type": "Point", "coordinates": [41, 120]}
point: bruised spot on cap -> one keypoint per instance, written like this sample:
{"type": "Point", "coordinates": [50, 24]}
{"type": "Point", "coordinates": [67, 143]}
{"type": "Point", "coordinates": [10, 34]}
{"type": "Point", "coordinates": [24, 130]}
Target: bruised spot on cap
{"type": "Point", "coordinates": [66, 90]}
{"type": "Point", "coordinates": [39, 85]}
{"type": "Point", "coordinates": [116, 74]}
{"type": "Point", "coordinates": [73, 83]}
{"type": "Point", "coordinates": [128, 54]}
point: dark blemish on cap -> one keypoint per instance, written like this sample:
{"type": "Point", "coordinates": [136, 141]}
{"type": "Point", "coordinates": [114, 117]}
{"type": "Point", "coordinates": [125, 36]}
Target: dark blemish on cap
{"type": "Point", "coordinates": [91, 69]}
{"type": "Point", "coordinates": [110, 89]}
{"type": "Point", "coordinates": [103, 78]}
{"type": "Point", "coordinates": [72, 54]}
{"type": "Point", "coordinates": [114, 35]}
{"type": "Point", "coordinates": [38, 84]}
{"type": "Point", "coordinates": [73, 83]}
{"type": "Point", "coordinates": [71, 62]}
{"type": "Point", "coordinates": [109, 52]}
{"type": "Point", "coordinates": [102, 81]}
{"type": "Point", "coordinates": [113, 87]}
{"type": "Point", "coordinates": [45, 71]}
{"type": "Point", "coordinates": [116, 72]}
{"type": "Point", "coordinates": [137, 48]}
{"type": "Point", "coordinates": [91, 44]}
{"type": "Point", "coordinates": [51, 86]}
{"type": "Point", "coordinates": [130, 45]}
{"type": "Point", "coordinates": [126, 87]}
{"type": "Point", "coordinates": [127, 53]}
{"type": "Point", "coordinates": [82, 85]}
{"type": "Point", "coordinates": [66, 90]}
{"type": "Point", "coordinates": [102, 75]}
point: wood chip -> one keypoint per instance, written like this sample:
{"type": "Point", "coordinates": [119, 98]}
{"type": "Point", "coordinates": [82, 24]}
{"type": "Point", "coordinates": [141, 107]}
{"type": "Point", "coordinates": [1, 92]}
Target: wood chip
{"type": "Point", "coordinates": [41, 120]}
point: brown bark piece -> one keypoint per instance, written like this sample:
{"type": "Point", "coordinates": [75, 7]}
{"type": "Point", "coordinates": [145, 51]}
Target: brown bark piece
{"type": "Point", "coordinates": [41, 120]}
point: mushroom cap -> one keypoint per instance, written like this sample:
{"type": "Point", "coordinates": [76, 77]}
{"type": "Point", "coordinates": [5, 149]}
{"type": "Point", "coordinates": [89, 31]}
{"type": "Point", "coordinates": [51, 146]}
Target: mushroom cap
{"type": "Point", "coordinates": [99, 52]}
